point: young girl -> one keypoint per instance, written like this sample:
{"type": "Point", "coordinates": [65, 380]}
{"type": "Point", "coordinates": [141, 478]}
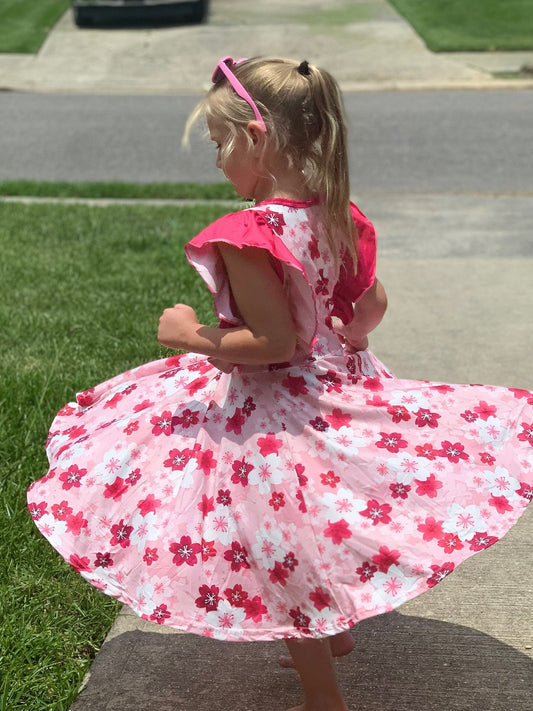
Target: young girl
{"type": "Point", "coordinates": [277, 482]}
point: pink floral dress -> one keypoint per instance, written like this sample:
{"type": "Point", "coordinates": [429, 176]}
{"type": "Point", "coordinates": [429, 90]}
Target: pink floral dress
{"type": "Point", "coordinates": [283, 501]}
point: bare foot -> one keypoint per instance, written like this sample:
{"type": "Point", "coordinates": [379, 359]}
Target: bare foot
{"type": "Point", "coordinates": [340, 645]}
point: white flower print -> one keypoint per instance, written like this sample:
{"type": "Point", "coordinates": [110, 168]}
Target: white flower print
{"type": "Point", "coordinates": [392, 586]}
{"type": "Point", "coordinates": [52, 529]}
{"type": "Point", "coordinates": [225, 621]}
{"type": "Point", "coordinates": [116, 463]}
{"type": "Point", "coordinates": [342, 504]}
{"type": "Point", "coordinates": [183, 479]}
{"type": "Point", "coordinates": [405, 468]}
{"type": "Point", "coordinates": [412, 400]}
{"type": "Point", "coordinates": [463, 521]}
{"type": "Point", "coordinates": [145, 529]}
{"type": "Point", "coordinates": [220, 525]}
{"type": "Point", "coordinates": [501, 484]}
{"type": "Point", "coordinates": [492, 430]}
{"type": "Point", "coordinates": [267, 548]}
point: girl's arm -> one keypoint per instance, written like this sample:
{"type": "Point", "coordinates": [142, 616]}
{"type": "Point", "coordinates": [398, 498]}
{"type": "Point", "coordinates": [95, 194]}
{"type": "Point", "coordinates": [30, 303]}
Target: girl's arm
{"type": "Point", "coordinates": [368, 312]}
{"type": "Point", "coordinates": [268, 335]}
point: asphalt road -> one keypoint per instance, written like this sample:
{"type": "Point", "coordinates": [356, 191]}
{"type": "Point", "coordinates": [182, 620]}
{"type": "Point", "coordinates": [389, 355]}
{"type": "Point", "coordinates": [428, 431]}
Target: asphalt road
{"type": "Point", "coordinates": [450, 141]}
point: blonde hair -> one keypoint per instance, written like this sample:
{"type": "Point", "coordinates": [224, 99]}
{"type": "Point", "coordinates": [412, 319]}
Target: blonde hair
{"type": "Point", "coordinates": [304, 117]}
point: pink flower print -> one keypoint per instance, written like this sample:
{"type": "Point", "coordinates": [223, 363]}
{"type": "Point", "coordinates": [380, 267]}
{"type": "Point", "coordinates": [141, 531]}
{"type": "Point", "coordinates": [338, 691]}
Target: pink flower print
{"type": "Point", "coordinates": [485, 411]}
{"type": "Point", "coordinates": [279, 574]}
{"type": "Point", "coordinates": [527, 434]}
{"type": "Point", "coordinates": [224, 497]}
{"type": "Point", "coordinates": [150, 556]}
{"type": "Point", "coordinates": [235, 423]}
{"type": "Point", "coordinates": [185, 551]}
{"type": "Point", "coordinates": [425, 418]}
{"type": "Point", "coordinates": [38, 510]}
{"type": "Point", "coordinates": [519, 394]}
{"type": "Point", "coordinates": [525, 490]}
{"type": "Point", "coordinates": [75, 432]}
{"type": "Point", "coordinates": [331, 381]}
{"type": "Point", "coordinates": [454, 452]}
{"type": "Point", "coordinates": [443, 389]}
{"type": "Point", "coordinates": [208, 550]}
{"type": "Point", "coordinates": [431, 528]}
{"type": "Point", "coordinates": [160, 614]}
{"type": "Point", "coordinates": [300, 497]}
{"type": "Point", "coordinates": [427, 451]}
{"type": "Point", "coordinates": [241, 469]}
{"type": "Point", "coordinates": [254, 609]}
{"type": "Point", "coordinates": [487, 458]}
{"type": "Point", "coordinates": [103, 560]}
{"type": "Point", "coordinates": [113, 401]}
{"type": "Point", "coordinates": [61, 511]}
{"type": "Point", "coordinates": [274, 220]}
{"type": "Point", "coordinates": [238, 556]}
{"type": "Point", "coordinates": [321, 283]}
{"type": "Point", "coordinates": [312, 246]}
{"type": "Point", "coordinates": [196, 384]}
{"type": "Point", "coordinates": [209, 597]}
{"type": "Point", "coordinates": [116, 489]}
{"type": "Point", "coordinates": [277, 500]}
{"type": "Point", "coordinates": [338, 531]}
{"type": "Point", "coordinates": [72, 477]}
{"type": "Point", "coordinates": [500, 503]}
{"type": "Point", "coordinates": [188, 418]}
{"type": "Point", "coordinates": [148, 505]}
{"type": "Point", "coordinates": [428, 487]}
{"type": "Point", "coordinates": [378, 513]}
{"type": "Point", "coordinates": [480, 541]}
{"type": "Point", "coordinates": [248, 406]}
{"type": "Point", "coordinates": [206, 505]}
{"type": "Point", "coordinates": [469, 416]}
{"type": "Point", "coordinates": [177, 459]}
{"type": "Point", "coordinates": [80, 564]}
{"type": "Point", "coordinates": [131, 427]}
{"type": "Point", "coordinates": [373, 384]}
{"type": "Point", "coordinates": [236, 596]}
{"type": "Point", "coordinates": [301, 621]}
{"type": "Point", "coordinates": [142, 406]}
{"type": "Point", "coordinates": [295, 385]}
{"type": "Point", "coordinates": [133, 477]}
{"type": "Point", "coordinates": [450, 542]}
{"type": "Point", "coordinates": [330, 479]}
{"type": "Point", "coordinates": [85, 398]}
{"type": "Point", "coordinates": [319, 424]}
{"type": "Point", "coordinates": [386, 558]}
{"type": "Point", "coordinates": [338, 419]}
{"type": "Point", "coordinates": [76, 523]}
{"type": "Point", "coordinates": [290, 561]}
{"type": "Point", "coordinates": [366, 571]}
{"type": "Point", "coordinates": [439, 573]}
{"type": "Point", "coordinates": [320, 598]}
{"type": "Point", "coordinates": [392, 442]}
{"type": "Point", "coordinates": [269, 444]}
{"type": "Point", "coordinates": [399, 413]}
{"type": "Point", "coordinates": [399, 491]}
{"type": "Point", "coordinates": [121, 534]}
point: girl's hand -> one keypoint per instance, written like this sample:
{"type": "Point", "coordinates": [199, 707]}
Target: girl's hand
{"type": "Point", "coordinates": [176, 326]}
{"type": "Point", "coordinates": [351, 344]}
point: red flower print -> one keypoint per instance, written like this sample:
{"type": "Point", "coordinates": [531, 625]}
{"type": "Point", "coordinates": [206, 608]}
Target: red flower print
{"type": "Point", "coordinates": [72, 477]}
{"type": "Point", "coordinates": [386, 558]}
{"type": "Point", "coordinates": [379, 513]}
{"type": "Point", "coordinates": [224, 497]}
{"type": "Point", "coordinates": [235, 423]}
{"type": "Point", "coordinates": [500, 503]}
{"type": "Point", "coordinates": [205, 460]}
{"type": "Point", "coordinates": [113, 401]}
{"type": "Point", "coordinates": [116, 489]}
{"type": "Point", "coordinates": [431, 528]}
{"type": "Point", "coordinates": [439, 573]}
{"type": "Point", "coordinates": [38, 510]}
{"type": "Point", "coordinates": [319, 424]}
{"type": "Point", "coordinates": [366, 571]}
{"type": "Point", "coordinates": [374, 384]}
{"type": "Point", "coordinates": [331, 381]}
{"type": "Point", "coordinates": [269, 444]}
{"type": "Point", "coordinates": [525, 490]}
{"type": "Point", "coordinates": [103, 560]}
{"type": "Point", "coordinates": [254, 609]}
{"type": "Point", "coordinates": [425, 418]}
{"type": "Point", "coordinates": [142, 406]}
{"type": "Point", "coordinates": [443, 389]}
{"type": "Point", "coordinates": [121, 534]}
{"type": "Point", "coordinates": [469, 416]}
{"type": "Point", "coordinates": [133, 477]}
{"type": "Point", "coordinates": [527, 434]}
{"type": "Point", "coordinates": [290, 561]}
{"type": "Point", "coordinates": [454, 452]}
{"type": "Point", "coordinates": [208, 550]}
{"type": "Point", "coordinates": [75, 432]}
{"type": "Point", "coordinates": [236, 595]}
{"type": "Point", "coordinates": [429, 487]}
{"type": "Point", "coordinates": [392, 442]}
{"type": "Point", "coordinates": [277, 500]}
{"type": "Point", "coordinates": [338, 419]}
{"type": "Point", "coordinates": [68, 410]}
{"type": "Point", "coordinates": [206, 505]}
{"type": "Point", "coordinates": [312, 245]}
{"type": "Point", "coordinates": [148, 505]}
{"type": "Point", "coordinates": [520, 393]}
{"type": "Point", "coordinates": [248, 406]}
{"type": "Point", "coordinates": [301, 621]}
{"type": "Point", "coordinates": [338, 531]}
{"type": "Point", "coordinates": [399, 491]}
{"type": "Point", "coordinates": [196, 384]}
{"type": "Point", "coordinates": [150, 556]}
{"type": "Point", "coordinates": [487, 458]}
{"type": "Point", "coordinates": [238, 556]}
{"type": "Point", "coordinates": [131, 427]}
{"type": "Point", "coordinates": [241, 469]}
{"type": "Point", "coordinates": [426, 450]}
{"type": "Point", "coordinates": [178, 459]}
{"type": "Point", "coordinates": [187, 419]}
{"type": "Point", "coordinates": [299, 469]}
{"type": "Point", "coordinates": [485, 411]}
{"type": "Point", "coordinates": [185, 551]}
{"type": "Point", "coordinates": [330, 479]}
{"type": "Point", "coordinates": [76, 523]}
{"type": "Point", "coordinates": [300, 497]}
{"type": "Point", "coordinates": [377, 401]}
{"type": "Point", "coordinates": [61, 511]}
{"type": "Point", "coordinates": [295, 385]}
{"type": "Point", "coordinates": [274, 220]}
{"type": "Point", "coordinates": [450, 542]}
{"type": "Point", "coordinates": [320, 599]}
{"type": "Point", "coordinates": [399, 413]}
{"type": "Point", "coordinates": [480, 541]}
{"type": "Point", "coordinates": [279, 574]}
{"type": "Point", "coordinates": [80, 564]}
{"type": "Point", "coordinates": [160, 614]}
{"type": "Point", "coordinates": [321, 283]}
{"type": "Point", "coordinates": [209, 598]}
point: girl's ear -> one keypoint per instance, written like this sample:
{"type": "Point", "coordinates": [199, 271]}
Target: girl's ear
{"type": "Point", "coordinates": [256, 132]}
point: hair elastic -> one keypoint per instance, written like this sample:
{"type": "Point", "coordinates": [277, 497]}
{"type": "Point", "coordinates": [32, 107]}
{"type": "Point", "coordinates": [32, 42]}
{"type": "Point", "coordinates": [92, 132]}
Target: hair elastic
{"type": "Point", "coordinates": [303, 69]}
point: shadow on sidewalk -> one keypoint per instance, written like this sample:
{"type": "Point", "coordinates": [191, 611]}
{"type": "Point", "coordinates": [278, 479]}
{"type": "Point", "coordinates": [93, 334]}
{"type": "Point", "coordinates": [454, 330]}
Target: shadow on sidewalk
{"type": "Point", "coordinates": [400, 663]}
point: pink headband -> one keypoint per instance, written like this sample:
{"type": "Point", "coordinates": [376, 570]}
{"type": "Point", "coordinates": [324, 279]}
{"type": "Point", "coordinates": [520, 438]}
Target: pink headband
{"type": "Point", "coordinates": [223, 69]}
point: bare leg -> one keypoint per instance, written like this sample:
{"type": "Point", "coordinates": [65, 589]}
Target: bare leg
{"type": "Point", "coordinates": [340, 645]}
{"type": "Point", "coordinates": [313, 661]}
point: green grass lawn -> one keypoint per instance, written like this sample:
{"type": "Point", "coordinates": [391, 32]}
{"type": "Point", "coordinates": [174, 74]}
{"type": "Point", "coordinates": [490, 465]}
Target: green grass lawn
{"type": "Point", "coordinates": [24, 24]}
{"type": "Point", "coordinates": [471, 25]}
{"type": "Point", "coordinates": [81, 291]}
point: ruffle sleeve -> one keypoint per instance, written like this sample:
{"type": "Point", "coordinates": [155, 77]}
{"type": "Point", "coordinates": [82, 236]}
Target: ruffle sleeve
{"type": "Point", "coordinates": [249, 228]}
{"type": "Point", "coordinates": [352, 283]}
